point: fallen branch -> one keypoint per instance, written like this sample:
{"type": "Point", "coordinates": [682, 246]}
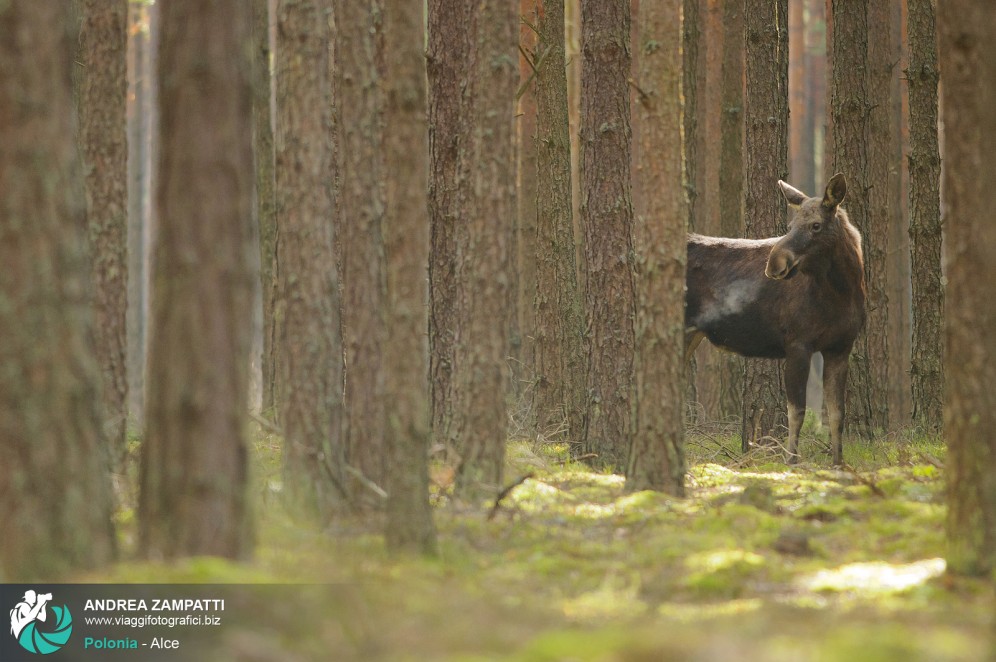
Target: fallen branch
{"type": "Point", "coordinates": [864, 480]}
{"type": "Point", "coordinates": [505, 492]}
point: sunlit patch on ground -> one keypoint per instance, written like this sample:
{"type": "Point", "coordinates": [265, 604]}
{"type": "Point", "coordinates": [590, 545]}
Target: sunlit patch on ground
{"type": "Point", "coordinates": [875, 577]}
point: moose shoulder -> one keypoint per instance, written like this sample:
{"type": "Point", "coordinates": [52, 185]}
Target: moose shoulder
{"type": "Point", "coordinates": [785, 298]}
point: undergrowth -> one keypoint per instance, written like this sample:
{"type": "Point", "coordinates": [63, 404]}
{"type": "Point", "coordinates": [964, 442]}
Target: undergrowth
{"type": "Point", "coordinates": [760, 561]}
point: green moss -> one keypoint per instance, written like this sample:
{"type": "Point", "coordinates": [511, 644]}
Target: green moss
{"type": "Point", "coordinates": [760, 561]}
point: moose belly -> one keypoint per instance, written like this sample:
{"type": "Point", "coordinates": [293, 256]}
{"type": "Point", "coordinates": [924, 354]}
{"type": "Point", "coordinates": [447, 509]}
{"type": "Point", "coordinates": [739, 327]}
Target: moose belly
{"type": "Point", "coordinates": [746, 337]}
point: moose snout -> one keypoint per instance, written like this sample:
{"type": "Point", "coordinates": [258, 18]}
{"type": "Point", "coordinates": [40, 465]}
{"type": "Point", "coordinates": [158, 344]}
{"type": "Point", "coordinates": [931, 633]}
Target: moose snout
{"type": "Point", "coordinates": [781, 264]}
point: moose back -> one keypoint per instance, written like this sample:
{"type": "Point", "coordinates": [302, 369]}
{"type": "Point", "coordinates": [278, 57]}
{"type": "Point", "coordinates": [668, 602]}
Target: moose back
{"type": "Point", "coordinates": [785, 298]}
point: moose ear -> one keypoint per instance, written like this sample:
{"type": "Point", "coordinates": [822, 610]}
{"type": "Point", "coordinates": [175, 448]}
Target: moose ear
{"type": "Point", "coordinates": [793, 196]}
{"type": "Point", "coordinates": [836, 190]}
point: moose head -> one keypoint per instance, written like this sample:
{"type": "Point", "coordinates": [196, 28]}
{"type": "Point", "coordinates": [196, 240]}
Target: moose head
{"type": "Point", "coordinates": [814, 229]}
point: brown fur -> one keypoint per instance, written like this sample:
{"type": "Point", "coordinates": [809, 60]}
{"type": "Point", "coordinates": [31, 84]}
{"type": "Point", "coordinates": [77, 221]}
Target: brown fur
{"type": "Point", "coordinates": [785, 298]}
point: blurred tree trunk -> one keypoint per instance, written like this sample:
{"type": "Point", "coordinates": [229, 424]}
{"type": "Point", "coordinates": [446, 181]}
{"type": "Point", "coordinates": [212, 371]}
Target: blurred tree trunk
{"type": "Point", "coordinates": [849, 154]}
{"type": "Point", "coordinates": [483, 240]}
{"type": "Point", "coordinates": [709, 360]}
{"type": "Point", "coordinates": [139, 165]}
{"type": "Point", "coordinates": [967, 30]}
{"type": "Point", "coordinates": [693, 115]}
{"type": "Point", "coordinates": [559, 341]}
{"type": "Point", "coordinates": [523, 329]}
{"type": "Point", "coordinates": [103, 140]}
{"type": "Point", "coordinates": [448, 54]}
{"type": "Point", "coordinates": [406, 245]}
{"type": "Point", "coordinates": [311, 369]}
{"type": "Point", "coordinates": [266, 211]}
{"type": "Point", "coordinates": [899, 270]}
{"type": "Point", "coordinates": [194, 465]}
{"type": "Point", "coordinates": [361, 246]}
{"type": "Point", "coordinates": [607, 217]}
{"type": "Point", "coordinates": [731, 178]}
{"type": "Point", "coordinates": [800, 138]}
{"type": "Point", "coordinates": [54, 477]}
{"type": "Point", "coordinates": [883, 214]}
{"type": "Point", "coordinates": [766, 131]}
{"type": "Point", "coordinates": [927, 373]}
{"type": "Point", "coordinates": [572, 19]}
{"type": "Point", "coordinates": [660, 209]}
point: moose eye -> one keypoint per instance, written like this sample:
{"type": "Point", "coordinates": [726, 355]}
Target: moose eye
{"type": "Point", "coordinates": [815, 227]}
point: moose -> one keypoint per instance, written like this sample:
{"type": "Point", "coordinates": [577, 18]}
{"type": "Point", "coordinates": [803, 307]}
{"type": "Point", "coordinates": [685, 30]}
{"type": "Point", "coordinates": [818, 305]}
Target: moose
{"type": "Point", "coordinates": [785, 298]}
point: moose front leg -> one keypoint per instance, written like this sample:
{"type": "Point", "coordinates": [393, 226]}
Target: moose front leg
{"type": "Point", "coordinates": [834, 389]}
{"type": "Point", "coordinates": [796, 378]}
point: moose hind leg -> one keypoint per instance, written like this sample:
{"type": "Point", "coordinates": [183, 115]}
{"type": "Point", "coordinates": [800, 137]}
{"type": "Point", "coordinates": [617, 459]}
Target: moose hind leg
{"type": "Point", "coordinates": [796, 378]}
{"type": "Point", "coordinates": [834, 389]}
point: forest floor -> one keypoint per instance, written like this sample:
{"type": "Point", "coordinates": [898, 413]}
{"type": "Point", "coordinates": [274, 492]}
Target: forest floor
{"type": "Point", "coordinates": [759, 562]}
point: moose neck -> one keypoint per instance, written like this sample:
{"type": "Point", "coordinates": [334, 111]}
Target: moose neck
{"type": "Point", "coordinates": [846, 272]}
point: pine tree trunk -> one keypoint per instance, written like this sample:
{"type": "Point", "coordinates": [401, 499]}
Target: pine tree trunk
{"type": "Point", "coordinates": [523, 329]}
{"type": "Point", "coordinates": [361, 201]}
{"type": "Point", "coordinates": [967, 30]}
{"type": "Point", "coordinates": [693, 84]}
{"type": "Point", "coordinates": [266, 212]}
{"type": "Point", "coordinates": [447, 63]}
{"type": "Point", "coordinates": [883, 215]}
{"type": "Point", "coordinates": [607, 217]}
{"type": "Point", "coordinates": [139, 164]}
{"type": "Point", "coordinates": [406, 247]}
{"type": "Point", "coordinates": [559, 336]}
{"type": "Point", "coordinates": [103, 140]}
{"type": "Point", "coordinates": [54, 477]}
{"type": "Point", "coordinates": [311, 370]}
{"type": "Point", "coordinates": [194, 464]}
{"type": "Point", "coordinates": [660, 208]}
{"type": "Point", "coordinates": [731, 178]}
{"type": "Point", "coordinates": [766, 132]}
{"type": "Point", "coordinates": [800, 151]}
{"type": "Point", "coordinates": [709, 361]}
{"type": "Point", "coordinates": [927, 372]}
{"type": "Point", "coordinates": [849, 154]}
{"type": "Point", "coordinates": [483, 238]}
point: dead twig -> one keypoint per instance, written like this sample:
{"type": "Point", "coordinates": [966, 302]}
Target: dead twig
{"type": "Point", "coordinates": [586, 456]}
{"type": "Point", "coordinates": [864, 480]}
{"type": "Point", "coordinates": [505, 492]}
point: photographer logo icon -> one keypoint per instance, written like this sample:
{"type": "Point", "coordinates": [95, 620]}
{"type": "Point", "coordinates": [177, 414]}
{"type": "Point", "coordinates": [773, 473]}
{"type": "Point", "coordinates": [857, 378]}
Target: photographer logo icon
{"type": "Point", "coordinates": [31, 626]}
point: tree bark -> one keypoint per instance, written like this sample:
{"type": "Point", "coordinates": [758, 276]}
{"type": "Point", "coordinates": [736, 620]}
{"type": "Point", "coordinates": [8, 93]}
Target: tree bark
{"type": "Point", "coordinates": [607, 217]}
{"type": "Point", "coordinates": [849, 154]}
{"type": "Point", "coordinates": [967, 30]}
{"type": "Point", "coordinates": [406, 246]}
{"type": "Point", "coordinates": [54, 476]}
{"type": "Point", "coordinates": [311, 369]}
{"type": "Point", "coordinates": [766, 132]}
{"type": "Point", "coordinates": [927, 372]}
{"type": "Point", "coordinates": [693, 87]}
{"type": "Point", "coordinates": [140, 90]}
{"type": "Point", "coordinates": [883, 214]}
{"type": "Point", "coordinates": [523, 329]}
{"type": "Point", "coordinates": [103, 138]}
{"type": "Point", "coordinates": [800, 139]}
{"type": "Point", "coordinates": [731, 178]}
{"type": "Point", "coordinates": [194, 465]}
{"type": "Point", "coordinates": [265, 207]}
{"type": "Point", "coordinates": [657, 456]}
{"type": "Point", "coordinates": [559, 335]}
{"type": "Point", "coordinates": [361, 199]}
{"type": "Point", "coordinates": [448, 60]}
{"type": "Point", "coordinates": [483, 238]}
